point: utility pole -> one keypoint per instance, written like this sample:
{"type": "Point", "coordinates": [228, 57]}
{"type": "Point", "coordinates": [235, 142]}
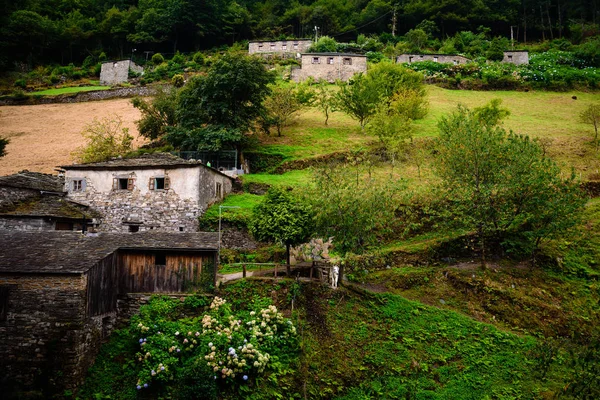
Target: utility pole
{"type": "Point", "coordinates": [512, 38]}
{"type": "Point", "coordinates": [394, 22]}
{"type": "Point", "coordinates": [316, 33]}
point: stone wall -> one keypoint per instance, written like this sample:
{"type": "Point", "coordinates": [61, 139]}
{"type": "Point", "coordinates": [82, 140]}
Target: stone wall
{"type": "Point", "coordinates": [516, 57]}
{"type": "Point", "coordinates": [279, 46]}
{"type": "Point", "coordinates": [329, 67]}
{"type": "Point", "coordinates": [46, 341]}
{"type": "Point", "coordinates": [26, 224]}
{"type": "Point", "coordinates": [81, 97]}
{"type": "Point", "coordinates": [115, 72]}
{"type": "Point", "coordinates": [441, 58]}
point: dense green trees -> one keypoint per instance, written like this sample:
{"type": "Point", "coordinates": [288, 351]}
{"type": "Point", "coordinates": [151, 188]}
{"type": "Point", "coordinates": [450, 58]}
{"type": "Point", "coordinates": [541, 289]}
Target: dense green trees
{"type": "Point", "coordinates": [68, 31]}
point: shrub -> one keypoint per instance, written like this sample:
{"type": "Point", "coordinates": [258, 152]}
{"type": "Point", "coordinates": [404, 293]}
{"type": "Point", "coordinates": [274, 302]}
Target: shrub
{"type": "Point", "coordinates": [198, 58]}
{"type": "Point", "coordinates": [88, 62]}
{"type": "Point", "coordinates": [21, 83]}
{"type": "Point", "coordinates": [106, 138]}
{"type": "Point", "coordinates": [178, 59]}
{"type": "Point", "coordinates": [158, 59]}
{"type": "Point", "coordinates": [177, 80]}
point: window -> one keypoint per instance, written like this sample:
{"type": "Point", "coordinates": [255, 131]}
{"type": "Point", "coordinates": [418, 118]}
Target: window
{"type": "Point", "coordinates": [272, 46]}
{"type": "Point", "coordinates": [509, 58]}
{"type": "Point", "coordinates": [410, 59]}
{"type": "Point", "coordinates": [435, 59]}
{"type": "Point", "coordinates": [284, 46]}
{"type": "Point", "coordinates": [316, 60]}
{"type": "Point", "coordinates": [123, 183]}
{"type": "Point", "coordinates": [456, 62]}
{"type": "Point", "coordinates": [159, 183]}
{"type": "Point", "coordinates": [329, 60]}
{"type": "Point", "coordinates": [347, 61]}
{"type": "Point", "coordinates": [260, 46]}
{"type": "Point", "coordinates": [295, 46]}
{"type": "Point", "coordinates": [4, 289]}
{"type": "Point", "coordinates": [218, 191]}
{"type": "Point", "coordinates": [160, 259]}
{"type": "Point", "coordinates": [421, 57]}
{"type": "Point", "coordinates": [78, 185]}
{"type": "Point", "coordinates": [134, 228]}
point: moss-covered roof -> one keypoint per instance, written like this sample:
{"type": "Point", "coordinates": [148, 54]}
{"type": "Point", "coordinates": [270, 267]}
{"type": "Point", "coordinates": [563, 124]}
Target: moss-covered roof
{"type": "Point", "coordinates": [34, 180]}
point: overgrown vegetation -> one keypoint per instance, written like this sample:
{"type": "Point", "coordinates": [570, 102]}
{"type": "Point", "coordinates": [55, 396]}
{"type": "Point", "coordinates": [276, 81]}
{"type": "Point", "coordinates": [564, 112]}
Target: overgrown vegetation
{"type": "Point", "coordinates": [107, 138]}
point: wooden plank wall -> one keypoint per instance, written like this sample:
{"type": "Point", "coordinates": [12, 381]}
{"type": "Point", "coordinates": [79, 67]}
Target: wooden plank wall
{"type": "Point", "coordinates": [139, 274]}
{"type": "Point", "coordinates": [102, 286]}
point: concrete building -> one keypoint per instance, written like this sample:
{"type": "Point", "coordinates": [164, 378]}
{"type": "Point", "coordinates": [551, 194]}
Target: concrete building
{"type": "Point", "coordinates": [517, 57]}
{"type": "Point", "coordinates": [441, 58]}
{"type": "Point", "coordinates": [62, 292]}
{"type": "Point", "coordinates": [36, 201]}
{"type": "Point", "coordinates": [329, 66]}
{"type": "Point", "coordinates": [152, 192]}
{"type": "Point", "coordinates": [282, 48]}
{"type": "Point", "coordinates": [115, 72]}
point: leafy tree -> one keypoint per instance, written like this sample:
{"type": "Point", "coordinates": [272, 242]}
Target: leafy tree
{"type": "Point", "coordinates": [358, 98]}
{"type": "Point", "coordinates": [282, 217]}
{"type": "Point", "coordinates": [157, 114]}
{"type": "Point", "coordinates": [324, 44]}
{"type": "Point", "coordinates": [591, 115]}
{"type": "Point", "coordinates": [281, 105]}
{"type": "Point", "coordinates": [499, 183]}
{"type": "Point", "coordinates": [3, 143]}
{"type": "Point", "coordinates": [393, 132]}
{"type": "Point", "coordinates": [324, 99]}
{"type": "Point", "coordinates": [417, 38]}
{"type": "Point", "coordinates": [107, 138]}
{"type": "Point", "coordinates": [358, 210]}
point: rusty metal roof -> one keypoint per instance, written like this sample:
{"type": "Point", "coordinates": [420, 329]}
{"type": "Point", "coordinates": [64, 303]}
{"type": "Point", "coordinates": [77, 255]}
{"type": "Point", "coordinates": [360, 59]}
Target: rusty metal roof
{"type": "Point", "coordinates": [66, 252]}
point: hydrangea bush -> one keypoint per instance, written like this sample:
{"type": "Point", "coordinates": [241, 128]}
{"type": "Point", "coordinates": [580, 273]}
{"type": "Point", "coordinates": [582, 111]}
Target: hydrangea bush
{"type": "Point", "coordinates": [219, 346]}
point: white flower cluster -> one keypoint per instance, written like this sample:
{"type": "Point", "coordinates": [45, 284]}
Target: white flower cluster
{"type": "Point", "coordinates": [143, 328]}
{"type": "Point", "coordinates": [268, 323]}
{"type": "Point", "coordinates": [233, 363]}
{"type": "Point", "coordinates": [216, 303]}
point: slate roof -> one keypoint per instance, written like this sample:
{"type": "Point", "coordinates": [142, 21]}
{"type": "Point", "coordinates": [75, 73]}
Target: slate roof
{"type": "Point", "coordinates": [334, 54]}
{"type": "Point", "coordinates": [49, 206]}
{"type": "Point", "coordinates": [152, 160]}
{"type": "Point", "coordinates": [34, 180]}
{"type": "Point", "coordinates": [66, 252]}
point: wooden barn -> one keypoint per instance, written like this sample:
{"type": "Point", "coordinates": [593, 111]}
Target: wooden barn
{"type": "Point", "coordinates": [60, 291]}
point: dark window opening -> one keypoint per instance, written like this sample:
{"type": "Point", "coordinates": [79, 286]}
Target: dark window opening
{"type": "Point", "coordinates": [123, 183]}
{"type": "Point", "coordinates": [63, 226]}
{"type": "Point", "coordinates": [4, 302]}
{"type": "Point", "coordinates": [347, 61]}
{"type": "Point", "coordinates": [181, 229]}
{"type": "Point", "coordinates": [330, 60]}
{"type": "Point", "coordinates": [134, 228]}
{"type": "Point", "coordinates": [160, 259]}
{"type": "Point", "coordinates": [78, 185]}
{"type": "Point", "coordinates": [160, 183]}
{"type": "Point", "coordinates": [218, 191]}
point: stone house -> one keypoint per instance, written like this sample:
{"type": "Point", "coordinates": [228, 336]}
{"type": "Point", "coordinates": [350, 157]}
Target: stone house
{"type": "Point", "coordinates": [441, 58]}
{"type": "Point", "coordinates": [152, 192]}
{"type": "Point", "coordinates": [36, 201]}
{"type": "Point", "coordinates": [115, 72]}
{"type": "Point", "coordinates": [282, 48]}
{"type": "Point", "coordinates": [61, 293]}
{"type": "Point", "coordinates": [329, 66]}
{"type": "Point", "coordinates": [517, 57]}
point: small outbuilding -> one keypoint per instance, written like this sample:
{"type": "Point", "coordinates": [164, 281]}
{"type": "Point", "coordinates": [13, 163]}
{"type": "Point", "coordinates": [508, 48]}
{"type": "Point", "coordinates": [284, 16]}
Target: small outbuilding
{"type": "Point", "coordinates": [455, 59]}
{"type": "Point", "coordinates": [61, 293]}
{"type": "Point", "coordinates": [516, 57]}
{"type": "Point", "coordinates": [115, 72]}
{"type": "Point", "coordinates": [330, 67]}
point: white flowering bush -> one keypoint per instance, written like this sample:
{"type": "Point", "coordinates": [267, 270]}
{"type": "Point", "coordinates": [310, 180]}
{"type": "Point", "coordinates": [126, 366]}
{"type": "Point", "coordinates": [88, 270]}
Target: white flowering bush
{"type": "Point", "coordinates": [219, 346]}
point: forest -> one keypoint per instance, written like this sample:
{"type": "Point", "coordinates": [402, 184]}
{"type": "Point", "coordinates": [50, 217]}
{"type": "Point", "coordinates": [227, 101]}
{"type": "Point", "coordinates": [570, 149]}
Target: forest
{"type": "Point", "coordinates": [35, 32]}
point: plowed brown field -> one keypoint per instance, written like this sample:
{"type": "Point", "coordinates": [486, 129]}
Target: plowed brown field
{"type": "Point", "coordinates": [44, 136]}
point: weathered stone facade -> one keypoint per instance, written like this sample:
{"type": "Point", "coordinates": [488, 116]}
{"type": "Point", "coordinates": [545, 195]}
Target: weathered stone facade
{"type": "Point", "coordinates": [441, 58]}
{"type": "Point", "coordinates": [280, 47]}
{"type": "Point", "coordinates": [329, 66]}
{"type": "Point", "coordinates": [47, 341]}
{"type": "Point", "coordinates": [115, 72]}
{"type": "Point", "coordinates": [190, 189]}
{"type": "Point", "coordinates": [517, 57]}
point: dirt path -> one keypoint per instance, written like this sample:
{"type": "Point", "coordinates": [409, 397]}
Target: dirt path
{"type": "Point", "coordinates": [43, 136]}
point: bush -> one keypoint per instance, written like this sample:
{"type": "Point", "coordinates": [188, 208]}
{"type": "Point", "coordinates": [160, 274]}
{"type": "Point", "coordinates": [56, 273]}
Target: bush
{"type": "Point", "coordinates": [178, 59]}
{"type": "Point", "coordinates": [198, 58]}
{"type": "Point", "coordinates": [158, 59]}
{"type": "Point", "coordinates": [177, 80]}
{"type": "Point", "coordinates": [88, 62]}
{"type": "Point", "coordinates": [21, 83]}
{"type": "Point", "coordinates": [106, 139]}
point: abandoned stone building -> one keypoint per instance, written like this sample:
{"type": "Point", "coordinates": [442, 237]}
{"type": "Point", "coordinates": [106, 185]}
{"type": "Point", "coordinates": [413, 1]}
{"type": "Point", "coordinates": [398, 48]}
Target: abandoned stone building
{"type": "Point", "coordinates": [517, 57]}
{"type": "Point", "coordinates": [152, 192]}
{"type": "Point", "coordinates": [330, 67]}
{"type": "Point", "coordinates": [115, 72]}
{"type": "Point", "coordinates": [283, 48]}
{"type": "Point", "coordinates": [61, 293]}
{"type": "Point", "coordinates": [441, 58]}
{"type": "Point", "coordinates": [36, 201]}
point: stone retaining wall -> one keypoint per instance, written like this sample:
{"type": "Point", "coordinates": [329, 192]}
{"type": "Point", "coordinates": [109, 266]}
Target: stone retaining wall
{"type": "Point", "coordinates": [81, 97]}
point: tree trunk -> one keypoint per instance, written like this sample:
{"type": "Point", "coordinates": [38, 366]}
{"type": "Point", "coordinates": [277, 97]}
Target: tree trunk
{"type": "Point", "coordinates": [542, 23]}
{"type": "Point", "coordinates": [288, 267]}
{"type": "Point", "coordinates": [549, 20]}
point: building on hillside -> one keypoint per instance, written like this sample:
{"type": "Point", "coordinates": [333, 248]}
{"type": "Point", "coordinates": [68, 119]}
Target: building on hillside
{"type": "Point", "coordinates": [441, 58]}
{"type": "Point", "coordinates": [517, 57]}
{"type": "Point", "coordinates": [329, 66]}
{"type": "Point", "coordinates": [61, 293]}
{"type": "Point", "coordinates": [152, 192]}
{"type": "Point", "coordinates": [115, 72]}
{"type": "Point", "coordinates": [284, 48]}
{"type": "Point", "coordinates": [36, 201]}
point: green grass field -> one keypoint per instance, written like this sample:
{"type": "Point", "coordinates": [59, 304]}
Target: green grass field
{"type": "Point", "coordinates": [55, 92]}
